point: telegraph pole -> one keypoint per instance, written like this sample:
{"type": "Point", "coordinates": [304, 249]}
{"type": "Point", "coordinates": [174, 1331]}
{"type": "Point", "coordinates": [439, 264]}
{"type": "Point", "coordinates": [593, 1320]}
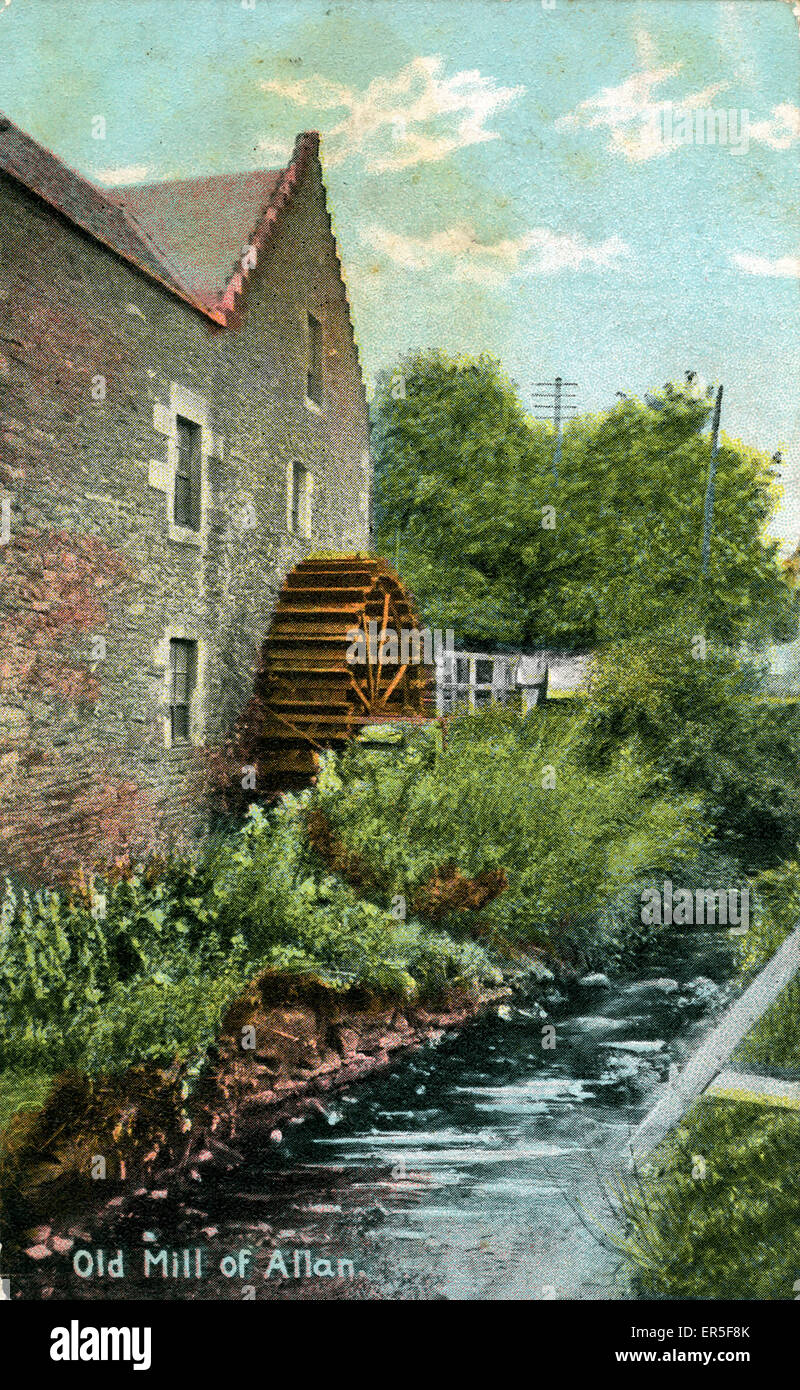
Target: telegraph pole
{"type": "Point", "coordinates": [557, 426]}
{"type": "Point", "coordinates": [555, 397]}
{"type": "Point", "coordinates": [708, 511]}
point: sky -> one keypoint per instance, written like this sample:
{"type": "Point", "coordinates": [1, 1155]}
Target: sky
{"type": "Point", "coordinates": [543, 180]}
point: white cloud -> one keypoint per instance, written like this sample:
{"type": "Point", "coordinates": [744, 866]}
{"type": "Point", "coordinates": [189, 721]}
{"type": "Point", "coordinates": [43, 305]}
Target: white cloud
{"type": "Point", "coordinates": [735, 42]}
{"type": "Point", "coordinates": [458, 252]}
{"type": "Point", "coordinates": [785, 267]}
{"type": "Point", "coordinates": [415, 117]}
{"type": "Point", "coordinates": [645, 48]}
{"type": "Point", "coordinates": [633, 115]}
{"type": "Point", "coordinates": [131, 173]}
{"type": "Point", "coordinates": [782, 128]}
{"type": "Point", "coordinates": [275, 150]}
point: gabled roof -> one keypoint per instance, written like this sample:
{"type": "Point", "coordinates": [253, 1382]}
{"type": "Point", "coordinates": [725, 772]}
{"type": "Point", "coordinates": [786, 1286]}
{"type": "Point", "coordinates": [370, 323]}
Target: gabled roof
{"type": "Point", "coordinates": [188, 234]}
{"type": "Point", "coordinates": [202, 225]}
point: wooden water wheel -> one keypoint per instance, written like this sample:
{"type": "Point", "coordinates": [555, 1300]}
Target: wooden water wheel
{"type": "Point", "coordinates": [313, 696]}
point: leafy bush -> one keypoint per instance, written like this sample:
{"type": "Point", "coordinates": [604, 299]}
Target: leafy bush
{"type": "Point", "coordinates": [65, 952]}
{"type": "Point", "coordinates": [290, 916]}
{"type": "Point", "coordinates": [774, 1041]}
{"type": "Point", "coordinates": [685, 1234]}
{"type": "Point", "coordinates": [502, 836]}
{"type": "Point", "coordinates": [621, 939]}
{"type": "Point", "coordinates": [698, 722]}
{"type": "Point", "coordinates": [54, 968]}
{"type": "Point", "coordinates": [159, 1020]}
{"type": "Point", "coordinates": [138, 965]}
{"type": "Point", "coordinates": [505, 794]}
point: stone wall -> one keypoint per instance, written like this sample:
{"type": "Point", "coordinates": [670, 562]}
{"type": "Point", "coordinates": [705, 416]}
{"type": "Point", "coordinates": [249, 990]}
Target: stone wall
{"type": "Point", "coordinates": [96, 360]}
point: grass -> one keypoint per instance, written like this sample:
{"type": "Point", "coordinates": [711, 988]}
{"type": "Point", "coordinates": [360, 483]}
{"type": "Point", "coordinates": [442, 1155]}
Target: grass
{"type": "Point", "coordinates": [717, 1214]}
{"type": "Point", "coordinates": [775, 1040]}
{"type": "Point", "coordinates": [21, 1090]}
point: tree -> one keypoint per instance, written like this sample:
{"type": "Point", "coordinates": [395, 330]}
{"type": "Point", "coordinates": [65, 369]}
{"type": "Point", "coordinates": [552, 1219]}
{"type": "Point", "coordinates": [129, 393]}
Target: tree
{"type": "Point", "coordinates": [495, 548]}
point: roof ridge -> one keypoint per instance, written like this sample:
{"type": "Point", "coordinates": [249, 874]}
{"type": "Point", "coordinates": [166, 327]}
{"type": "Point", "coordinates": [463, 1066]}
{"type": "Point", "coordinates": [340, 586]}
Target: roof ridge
{"type": "Point", "coordinates": [306, 148]}
{"type": "Point", "coordinates": [84, 203]}
{"type": "Point", "coordinates": [176, 287]}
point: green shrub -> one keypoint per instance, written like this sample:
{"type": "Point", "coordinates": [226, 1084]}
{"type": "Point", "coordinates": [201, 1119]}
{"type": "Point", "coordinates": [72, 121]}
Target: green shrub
{"type": "Point", "coordinates": [774, 1041]}
{"type": "Point", "coordinates": [506, 794]}
{"type": "Point", "coordinates": [734, 1232]}
{"type": "Point", "coordinates": [621, 939]}
{"type": "Point", "coordinates": [159, 1020]}
{"type": "Point", "coordinates": [698, 721]}
{"type": "Point", "coordinates": [291, 916]}
{"type": "Point", "coordinates": [54, 969]}
{"type": "Point", "coordinates": [140, 967]}
{"type": "Point", "coordinates": [63, 952]}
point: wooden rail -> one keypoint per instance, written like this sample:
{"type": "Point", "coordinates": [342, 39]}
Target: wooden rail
{"type": "Point", "coordinates": [707, 1062]}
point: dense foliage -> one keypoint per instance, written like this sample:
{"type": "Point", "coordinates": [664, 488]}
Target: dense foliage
{"type": "Point", "coordinates": [77, 965]}
{"type": "Point", "coordinates": [774, 1041]}
{"type": "Point", "coordinates": [691, 711]}
{"type": "Point", "coordinates": [142, 965]}
{"type": "Point", "coordinates": [293, 915]}
{"type": "Point", "coordinates": [462, 478]}
{"type": "Point", "coordinates": [689, 1225]}
{"type": "Point", "coordinates": [506, 794]}
{"type": "Point", "coordinates": [436, 863]}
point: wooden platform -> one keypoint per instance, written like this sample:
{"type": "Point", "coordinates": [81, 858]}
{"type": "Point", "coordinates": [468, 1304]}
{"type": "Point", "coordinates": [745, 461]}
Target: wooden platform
{"type": "Point", "coordinates": [766, 1090]}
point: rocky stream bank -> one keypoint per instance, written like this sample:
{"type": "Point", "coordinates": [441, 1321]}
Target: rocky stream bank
{"type": "Point", "coordinates": [361, 1150]}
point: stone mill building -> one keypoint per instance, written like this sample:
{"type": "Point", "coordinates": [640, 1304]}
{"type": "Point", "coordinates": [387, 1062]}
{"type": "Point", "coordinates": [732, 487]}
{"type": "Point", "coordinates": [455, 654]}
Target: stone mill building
{"type": "Point", "coordinates": [183, 420]}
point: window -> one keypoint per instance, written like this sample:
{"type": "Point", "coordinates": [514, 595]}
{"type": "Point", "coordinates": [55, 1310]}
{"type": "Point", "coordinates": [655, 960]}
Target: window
{"type": "Point", "coordinates": [187, 475]}
{"type": "Point", "coordinates": [314, 384]}
{"type": "Point", "coordinates": [299, 518]}
{"type": "Point", "coordinates": [182, 673]}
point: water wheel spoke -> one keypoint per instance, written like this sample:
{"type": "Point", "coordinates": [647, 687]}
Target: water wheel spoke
{"type": "Point", "coordinates": [396, 681]}
{"type": "Point", "coordinates": [359, 692]}
{"type": "Point", "coordinates": [370, 678]}
{"type": "Point", "coordinates": [382, 639]}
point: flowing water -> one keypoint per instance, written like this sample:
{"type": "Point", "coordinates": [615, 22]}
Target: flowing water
{"type": "Point", "coordinates": [474, 1170]}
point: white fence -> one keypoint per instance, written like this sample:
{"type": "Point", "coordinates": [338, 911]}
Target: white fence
{"type": "Point", "coordinates": [474, 679]}
{"type": "Point", "coordinates": [482, 678]}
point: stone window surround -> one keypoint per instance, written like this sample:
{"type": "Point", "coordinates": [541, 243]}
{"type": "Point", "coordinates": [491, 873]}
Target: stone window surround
{"type": "Point", "coordinates": [189, 406]}
{"type": "Point", "coordinates": [184, 630]}
{"type": "Point", "coordinates": [306, 508]}
{"type": "Point", "coordinates": [314, 406]}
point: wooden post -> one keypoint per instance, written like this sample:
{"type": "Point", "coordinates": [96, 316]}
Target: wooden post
{"type": "Point", "coordinates": [714, 1051]}
{"type": "Point", "coordinates": [557, 424]}
{"type": "Point", "coordinates": [708, 510]}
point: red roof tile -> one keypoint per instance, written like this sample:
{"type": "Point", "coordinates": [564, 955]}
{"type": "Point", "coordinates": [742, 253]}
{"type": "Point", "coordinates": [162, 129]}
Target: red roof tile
{"type": "Point", "coordinates": [187, 234]}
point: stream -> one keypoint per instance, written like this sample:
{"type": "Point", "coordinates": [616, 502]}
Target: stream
{"type": "Point", "coordinates": [475, 1170]}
